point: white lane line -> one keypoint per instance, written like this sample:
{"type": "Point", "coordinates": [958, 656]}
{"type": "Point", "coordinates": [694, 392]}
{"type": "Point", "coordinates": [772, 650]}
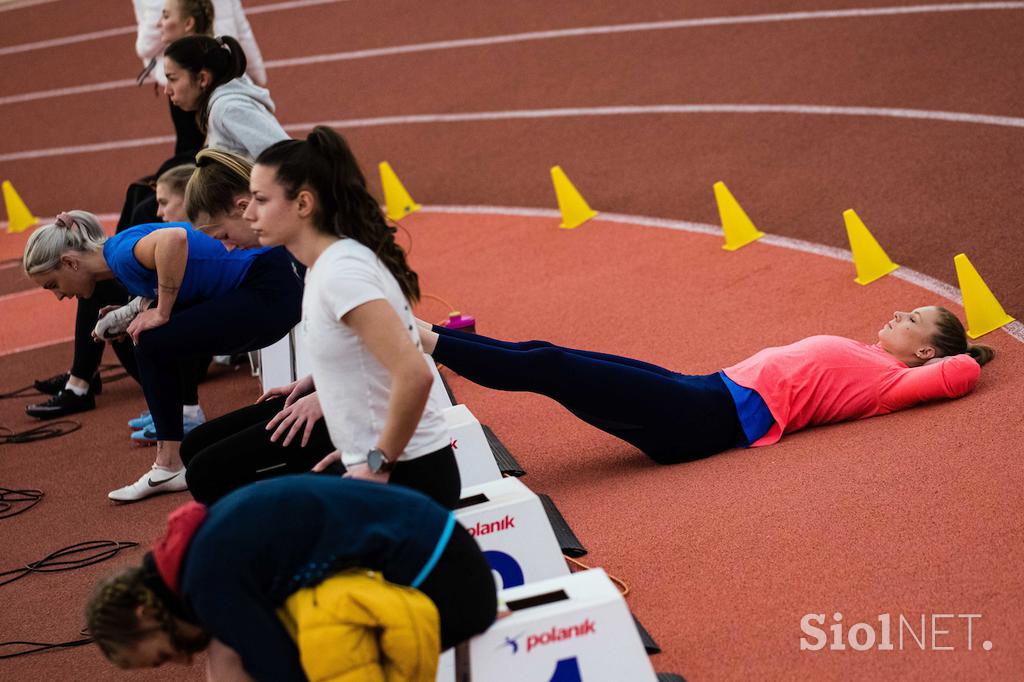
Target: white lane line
{"type": "Point", "coordinates": [127, 30]}
{"type": "Point", "coordinates": [21, 4]}
{"type": "Point", "coordinates": [565, 33]}
{"type": "Point", "coordinates": [656, 109]}
{"type": "Point", "coordinates": [63, 92]}
{"type": "Point", "coordinates": [106, 219]}
{"type": "Point", "coordinates": [643, 26]}
{"type": "Point", "coordinates": [66, 40]}
{"type": "Point", "coordinates": [919, 279]}
{"type": "Point", "coordinates": [36, 346]}
{"type": "Point", "coordinates": [24, 293]}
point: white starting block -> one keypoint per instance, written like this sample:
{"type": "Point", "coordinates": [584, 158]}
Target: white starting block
{"type": "Point", "coordinates": [437, 388]}
{"type": "Point", "coordinates": [277, 363]}
{"type": "Point", "coordinates": [472, 451]}
{"type": "Point", "coordinates": [576, 628]}
{"type": "Point", "coordinates": [508, 522]}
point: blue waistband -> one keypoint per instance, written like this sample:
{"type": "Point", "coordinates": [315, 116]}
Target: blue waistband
{"type": "Point", "coordinates": [755, 417]}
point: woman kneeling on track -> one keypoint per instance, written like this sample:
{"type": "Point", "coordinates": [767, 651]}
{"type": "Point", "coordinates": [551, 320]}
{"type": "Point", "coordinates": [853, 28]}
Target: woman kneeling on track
{"type": "Point", "coordinates": [75, 391]}
{"type": "Point", "coordinates": [921, 355]}
{"type": "Point", "coordinates": [237, 448]}
{"type": "Point", "coordinates": [208, 301]}
{"type": "Point", "coordinates": [370, 373]}
{"type": "Point", "coordinates": [300, 577]}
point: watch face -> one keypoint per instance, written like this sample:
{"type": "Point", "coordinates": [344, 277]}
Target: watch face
{"type": "Point", "coordinates": [376, 461]}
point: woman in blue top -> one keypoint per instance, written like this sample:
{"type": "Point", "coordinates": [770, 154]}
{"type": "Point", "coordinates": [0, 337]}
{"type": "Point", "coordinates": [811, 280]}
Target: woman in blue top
{"type": "Point", "coordinates": [209, 301]}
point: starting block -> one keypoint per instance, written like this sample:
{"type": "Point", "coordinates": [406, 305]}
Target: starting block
{"type": "Point", "coordinates": [437, 389]}
{"type": "Point", "coordinates": [509, 523]}
{"type": "Point", "coordinates": [472, 451]}
{"type": "Point", "coordinates": [575, 628]}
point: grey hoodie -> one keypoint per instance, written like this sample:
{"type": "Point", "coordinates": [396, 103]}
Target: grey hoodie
{"type": "Point", "coordinates": [241, 119]}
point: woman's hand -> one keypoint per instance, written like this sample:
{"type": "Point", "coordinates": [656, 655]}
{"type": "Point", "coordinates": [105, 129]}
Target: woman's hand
{"type": "Point", "coordinates": [362, 472]}
{"type": "Point", "coordinates": [292, 391]}
{"type": "Point", "coordinates": [333, 458]}
{"type": "Point", "coordinates": [147, 319]}
{"type": "Point", "coordinates": [223, 664]}
{"type": "Point", "coordinates": [304, 412]}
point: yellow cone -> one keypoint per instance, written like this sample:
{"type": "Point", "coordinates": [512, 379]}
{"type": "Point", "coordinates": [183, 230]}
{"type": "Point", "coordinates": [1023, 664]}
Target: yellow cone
{"type": "Point", "coordinates": [19, 218]}
{"type": "Point", "coordinates": [573, 206]}
{"type": "Point", "coordinates": [870, 259]}
{"type": "Point", "coordinates": [738, 228]}
{"type": "Point", "coordinates": [399, 203]}
{"type": "Point", "coordinates": [984, 314]}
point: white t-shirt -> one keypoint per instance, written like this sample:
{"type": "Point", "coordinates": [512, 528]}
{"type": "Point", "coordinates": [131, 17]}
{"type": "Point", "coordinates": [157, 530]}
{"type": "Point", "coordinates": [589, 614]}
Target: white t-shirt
{"type": "Point", "coordinates": [354, 388]}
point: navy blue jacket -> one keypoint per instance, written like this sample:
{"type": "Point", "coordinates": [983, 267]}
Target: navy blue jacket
{"type": "Point", "coordinates": [267, 540]}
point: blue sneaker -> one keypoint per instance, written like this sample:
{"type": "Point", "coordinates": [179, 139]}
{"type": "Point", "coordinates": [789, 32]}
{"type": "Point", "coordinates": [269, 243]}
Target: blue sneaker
{"type": "Point", "coordinates": [147, 436]}
{"type": "Point", "coordinates": [143, 421]}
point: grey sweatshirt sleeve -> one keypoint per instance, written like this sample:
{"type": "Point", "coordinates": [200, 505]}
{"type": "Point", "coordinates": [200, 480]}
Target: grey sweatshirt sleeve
{"type": "Point", "coordinates": [243, 126]}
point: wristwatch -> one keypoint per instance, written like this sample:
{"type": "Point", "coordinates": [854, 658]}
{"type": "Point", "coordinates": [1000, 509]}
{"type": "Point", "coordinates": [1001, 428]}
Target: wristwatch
{"type": "Point", "coordinates": [378, 462]}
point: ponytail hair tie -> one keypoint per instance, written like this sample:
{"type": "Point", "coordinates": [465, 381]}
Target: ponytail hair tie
{"type": "Point", "coordinates": [66, 220]}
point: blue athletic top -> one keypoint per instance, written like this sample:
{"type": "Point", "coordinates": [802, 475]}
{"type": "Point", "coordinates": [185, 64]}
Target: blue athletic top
{"type": "Point", "coordinates": [263, 542]}
{"type": "Point", "coordinates": [211, 270]}
{"type": "Point", "coordinates": [755, 417]}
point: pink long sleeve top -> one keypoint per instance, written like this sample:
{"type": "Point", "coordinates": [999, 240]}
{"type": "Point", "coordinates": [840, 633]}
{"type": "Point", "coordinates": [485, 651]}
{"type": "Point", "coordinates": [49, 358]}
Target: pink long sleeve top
{"type": "Point", "coordinates": [825, 379]}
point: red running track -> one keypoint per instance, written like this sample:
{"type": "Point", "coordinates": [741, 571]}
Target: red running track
{"type": "Point", "coordinates": [917, 513]}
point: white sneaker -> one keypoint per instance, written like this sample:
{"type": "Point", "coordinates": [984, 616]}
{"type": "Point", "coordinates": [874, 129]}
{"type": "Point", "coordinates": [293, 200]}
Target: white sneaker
{"type": "Point", "coordinates": [156, 481]}
{"type": "Point", "coordinates": [116, 322]}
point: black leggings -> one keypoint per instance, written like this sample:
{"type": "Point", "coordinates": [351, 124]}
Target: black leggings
{"type": "Point", "coordinates": [670, 417]}
{"type": "Point", "coordinates": [435, 475]}
{"type": "Point", "coordinates": [234, 450]}
{"type": "Point", "coordinates": [264, 307]}
{"type": "Point", "coordinates": [89, 353]}
{"type": "Point", "coordinates": [462, 588]}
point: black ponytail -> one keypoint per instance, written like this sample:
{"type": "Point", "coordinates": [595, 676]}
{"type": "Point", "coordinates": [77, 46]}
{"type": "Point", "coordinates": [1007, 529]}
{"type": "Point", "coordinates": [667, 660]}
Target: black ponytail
{"type": "Point", "coordinates": [223, 57]}
{"type": "Point", "coordinates": [325, 164]}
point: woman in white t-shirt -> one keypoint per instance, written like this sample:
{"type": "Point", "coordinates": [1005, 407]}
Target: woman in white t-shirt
{"type": "Point", "coordinates": [368, 368]}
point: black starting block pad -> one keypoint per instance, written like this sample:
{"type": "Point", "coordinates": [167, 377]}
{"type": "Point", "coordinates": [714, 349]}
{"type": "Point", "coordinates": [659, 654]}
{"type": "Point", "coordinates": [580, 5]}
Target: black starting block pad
{"type": "Point", "coordinates": [507, 464]}
{"type": "Point", "coordinates": [649, 644]}
{"type": "Point", "coordinates": [567, 540]}
{"type": "Point", "coordinates": [670, 677]}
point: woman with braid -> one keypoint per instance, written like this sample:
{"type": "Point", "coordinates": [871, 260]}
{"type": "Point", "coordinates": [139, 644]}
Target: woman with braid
{"type": "Point", "coordinates": [300, 577]}
{"type": "Point", "coordinates": [368, 369]}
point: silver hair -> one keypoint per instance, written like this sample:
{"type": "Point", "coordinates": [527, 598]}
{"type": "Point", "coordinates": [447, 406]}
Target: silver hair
{"type": "Point", "coordinates": [72, 231]}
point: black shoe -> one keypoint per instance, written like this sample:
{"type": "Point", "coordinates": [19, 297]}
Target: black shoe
{"type": "Point", "coordinates": [61, 405]}
{"type": "Point", "coordinates": [56, 384]}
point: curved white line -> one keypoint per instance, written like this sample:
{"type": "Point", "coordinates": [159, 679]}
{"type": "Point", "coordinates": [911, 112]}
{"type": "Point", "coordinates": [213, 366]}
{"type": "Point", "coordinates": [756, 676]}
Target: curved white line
{"type": "Point", "coordinates": [654, 109]}
{"type": "Point", "coordinates": [87, 89]}
{"type": "Point", "coordinates": [919, 279]}
{"type": "Point", "coordinates": [926, 282]}
{"type": "Point", "coordinates": [644, 26]}
{"type": "Point", "coordinates": [806, 109]}
{"type": "Point", "coordinates": [126, 30]}
{"type": "Point", "coordinates": [21, 4]}
{"type": "Point", "coordinates": [534, 35]}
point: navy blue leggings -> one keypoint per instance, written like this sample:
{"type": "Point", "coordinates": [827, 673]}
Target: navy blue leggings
{"type": "Point", "coordinates": [670, 417]}
{"type": "Point", "coordinates": [264, 307]}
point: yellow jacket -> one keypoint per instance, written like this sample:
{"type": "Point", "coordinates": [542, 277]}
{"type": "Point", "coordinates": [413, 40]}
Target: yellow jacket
{"type": "Point", "coordinates": [357, 627]}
